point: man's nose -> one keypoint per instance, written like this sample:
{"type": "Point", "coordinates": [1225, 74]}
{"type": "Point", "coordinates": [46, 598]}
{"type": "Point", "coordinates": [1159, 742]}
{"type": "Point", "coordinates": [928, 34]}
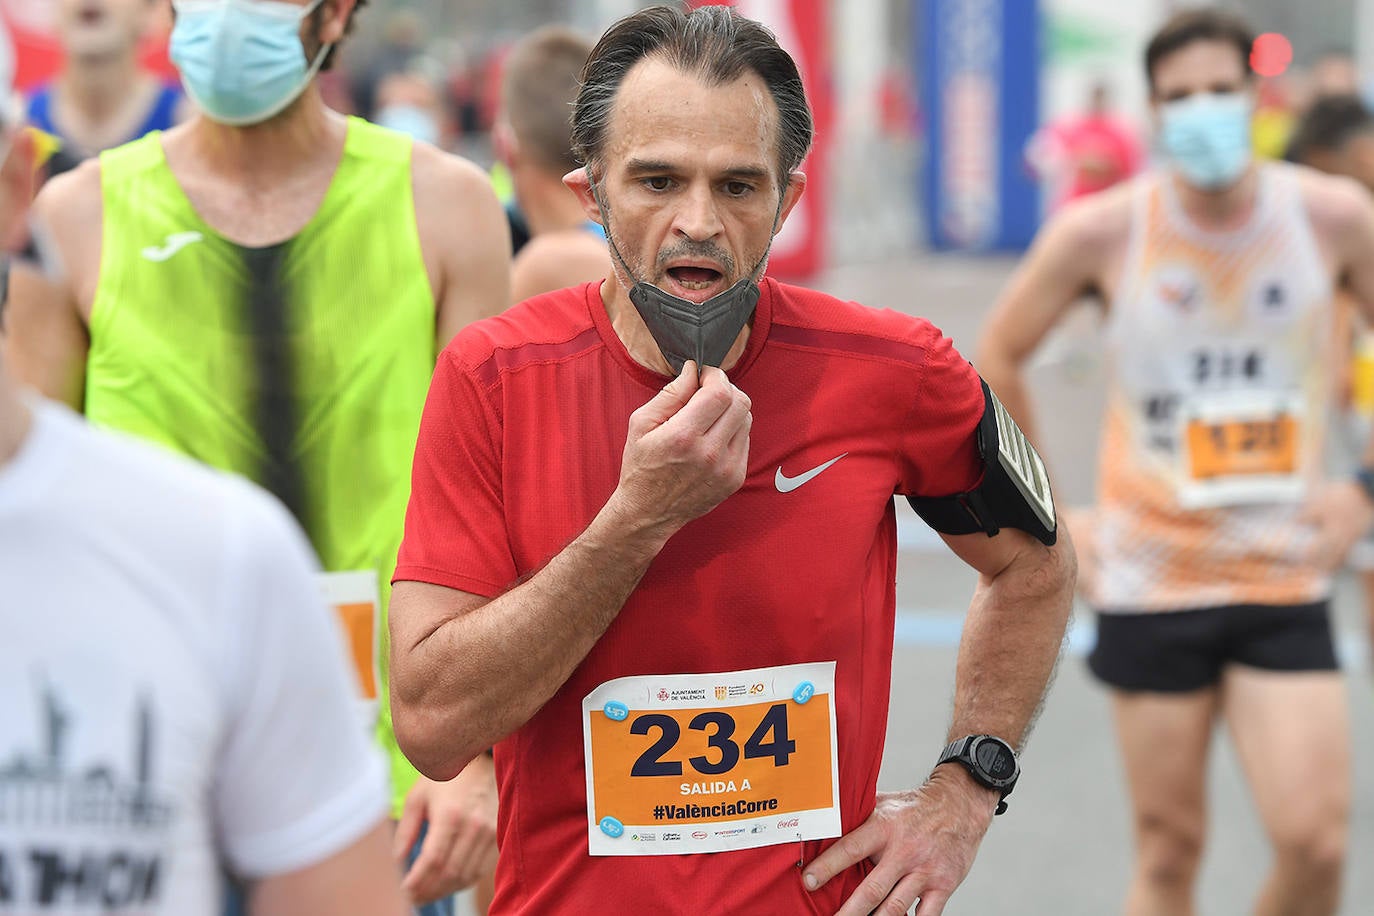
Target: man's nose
{"type": "Point", "coordinates": [698, 219]}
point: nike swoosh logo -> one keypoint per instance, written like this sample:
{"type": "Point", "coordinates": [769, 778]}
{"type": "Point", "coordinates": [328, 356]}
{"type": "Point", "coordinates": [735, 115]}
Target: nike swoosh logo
{"type": "Point", "coordinates": [175, 242]}
{"type": "Point", "coordinates": [787, 484]}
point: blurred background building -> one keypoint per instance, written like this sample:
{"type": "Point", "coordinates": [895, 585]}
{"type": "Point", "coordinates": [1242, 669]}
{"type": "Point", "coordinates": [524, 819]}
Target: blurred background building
{"type": "Point", "coordinates": [945, 124]}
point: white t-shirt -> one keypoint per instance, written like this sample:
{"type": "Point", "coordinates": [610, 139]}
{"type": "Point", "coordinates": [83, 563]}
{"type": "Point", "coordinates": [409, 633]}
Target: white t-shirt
{"type": "Point", "coordinates": [174, 694]}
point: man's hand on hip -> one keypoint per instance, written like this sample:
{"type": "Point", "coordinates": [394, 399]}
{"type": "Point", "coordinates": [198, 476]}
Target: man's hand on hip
{"type": "Point", "coordinates": [460, 845]}
{"type": "Point", "coordinates": [1340, 512]}
{"type": "Point", "coordinates": [921, 841]}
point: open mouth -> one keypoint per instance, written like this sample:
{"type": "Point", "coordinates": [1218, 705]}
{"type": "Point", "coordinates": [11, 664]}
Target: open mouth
{"type": "Point", "coordinates": [695, 279]}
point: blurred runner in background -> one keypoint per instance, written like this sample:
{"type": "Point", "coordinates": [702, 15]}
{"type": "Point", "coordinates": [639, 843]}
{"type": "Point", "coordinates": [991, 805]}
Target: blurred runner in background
{"type": "Point", "coordinates": [1086, 152]}
{"type": "Point", "coordinates": [265, 289]}
{"type": "Point", "coordinates": [177, 702]}
{"type": "Point", "coordinates": [103, 97]}
{"type": "Point", "coordinates": [533, 137]}
{"type": "Point", "coordinates": [1337, 136]}
{"type": "Point", "coordinates": [1215, 533]}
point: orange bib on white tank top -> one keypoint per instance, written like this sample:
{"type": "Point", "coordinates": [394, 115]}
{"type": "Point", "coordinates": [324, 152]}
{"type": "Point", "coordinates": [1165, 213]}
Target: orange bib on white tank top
{"type": "Point", "coordinates": [1219, 389]}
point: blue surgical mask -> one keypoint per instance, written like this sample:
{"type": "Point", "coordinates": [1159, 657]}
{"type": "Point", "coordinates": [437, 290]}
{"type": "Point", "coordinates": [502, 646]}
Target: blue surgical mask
{"type": "Point", "coordinates": [1207, 137]}
{"type": "Point", "coordinates": [242, 61]}
{"type": "Point", "coordinates": [410, 120]}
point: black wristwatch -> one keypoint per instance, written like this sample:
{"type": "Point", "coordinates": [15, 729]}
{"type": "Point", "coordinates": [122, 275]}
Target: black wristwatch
{"type": "Point", "coordinates": [990, 760]}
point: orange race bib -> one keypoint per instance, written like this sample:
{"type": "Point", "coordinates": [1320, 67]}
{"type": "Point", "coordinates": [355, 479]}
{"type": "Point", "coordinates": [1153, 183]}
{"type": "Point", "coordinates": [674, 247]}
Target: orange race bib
{"type": "Point", "coordinates": [692, 763]}
{"type": "Point", "coordinates": [1241, 448]}
{"type": "Point", "coordinates": [355, 600]}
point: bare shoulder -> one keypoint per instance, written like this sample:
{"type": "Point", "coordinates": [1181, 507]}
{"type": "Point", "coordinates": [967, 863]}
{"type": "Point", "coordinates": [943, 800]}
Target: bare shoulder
{"type": "Point", "coordinates": [68, 224]}
{"type": "Point", "coordinates": [555, 260]}
{"type": "Point", "coordinates": [1335, 204]}
{"type": "Point", "coordinates": [442, 178]}
{"type": "Point", "coordinates": [1099, 224]}
{"type": "Point", "coordinates": [71, 202]}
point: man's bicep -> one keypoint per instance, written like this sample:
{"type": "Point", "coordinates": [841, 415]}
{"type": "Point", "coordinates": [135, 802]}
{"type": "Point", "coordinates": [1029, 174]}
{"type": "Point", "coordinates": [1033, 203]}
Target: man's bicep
{"type": "Point", "coordinates": [1359, 258]}
{"type": "Point", "coordinates": [990, 556]}
{"type": "Point", "coordinates": [358, 879]}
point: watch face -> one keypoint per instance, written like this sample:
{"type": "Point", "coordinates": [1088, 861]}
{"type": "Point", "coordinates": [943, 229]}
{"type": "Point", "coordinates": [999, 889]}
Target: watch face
{"type": "Point", "coordinates": [996, 760]}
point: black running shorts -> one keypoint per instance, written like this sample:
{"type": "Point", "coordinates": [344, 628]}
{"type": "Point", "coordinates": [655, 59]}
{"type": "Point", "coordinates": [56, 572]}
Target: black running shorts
{"type": "Point", "coordinates": [1176, 651]}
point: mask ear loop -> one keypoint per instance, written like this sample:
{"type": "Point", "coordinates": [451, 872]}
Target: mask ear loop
{"type": "Point", "coordinates": [606, 222]}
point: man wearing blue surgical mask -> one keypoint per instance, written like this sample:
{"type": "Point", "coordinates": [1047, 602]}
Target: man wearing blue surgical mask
{"type": "Point", "coordinates": [1215, 533]}
{"type": "Point", "coordinates": [265, 289]}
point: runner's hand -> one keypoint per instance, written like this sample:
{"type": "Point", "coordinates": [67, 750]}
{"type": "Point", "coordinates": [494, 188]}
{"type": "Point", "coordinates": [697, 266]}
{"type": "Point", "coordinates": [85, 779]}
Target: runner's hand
{"type": "Point", "coordinates": [687, 450]}
{"type": "Point", "coordinates": [922, 843]}
{"type": "Point", "coordinates": [460, 846]}
{"type": "Point", "coordinates": [1341, 514]}
{"type": "Point", "coordinates": [16, 179]}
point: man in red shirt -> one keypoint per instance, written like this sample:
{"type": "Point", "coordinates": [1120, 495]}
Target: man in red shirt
{"type": "Point", "coordinates": [679, 639]}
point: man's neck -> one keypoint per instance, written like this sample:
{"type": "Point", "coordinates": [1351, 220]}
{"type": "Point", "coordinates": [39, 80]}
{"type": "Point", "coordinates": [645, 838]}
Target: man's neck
{"type": "Point", "coordinates": [14, 421]}
{"type": "Point", "coordinates": [547, 204]}
{"type": "Point", "coordinates": [260, 155]}
{"type": "Point", "coordinates": [1222, 210]}
{"type": "Point", "coordinates": [634, 333]}
{"type": "Point", "coordinates": [98, 88]}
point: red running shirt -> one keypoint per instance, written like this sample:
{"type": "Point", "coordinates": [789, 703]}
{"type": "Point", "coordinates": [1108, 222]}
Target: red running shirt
{"type": "Point", "coordinates": [521, 446]}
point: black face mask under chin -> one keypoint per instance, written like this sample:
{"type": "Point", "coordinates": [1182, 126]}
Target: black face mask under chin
{"type": "Point", "coordinates": [703, 332]}
{"type": "Point", "coordinates": [700, 331]}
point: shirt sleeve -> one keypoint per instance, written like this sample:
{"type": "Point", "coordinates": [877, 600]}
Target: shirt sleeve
{"type": "Point", "coordinates": [298, 780]}
{"type": "Point", "coordinates": [455, 533]}
{"type": "Point", "coordinates": [939, 449]}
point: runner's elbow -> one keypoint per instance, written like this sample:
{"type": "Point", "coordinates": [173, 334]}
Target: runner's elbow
{"type": "Point", "coordinates": [431, 744]}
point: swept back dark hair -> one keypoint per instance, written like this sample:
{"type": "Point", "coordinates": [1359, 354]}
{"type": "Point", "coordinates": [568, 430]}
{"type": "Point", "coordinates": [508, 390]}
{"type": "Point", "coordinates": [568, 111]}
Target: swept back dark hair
{"type": "Point", "coordinates": [1189, 26]}
{"type": "Point", "coordinates": [712, 42]}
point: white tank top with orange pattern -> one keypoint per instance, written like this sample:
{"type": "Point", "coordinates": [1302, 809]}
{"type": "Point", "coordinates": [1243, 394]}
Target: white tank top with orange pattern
{"type": "Point", "coordinates": [1219, 386]}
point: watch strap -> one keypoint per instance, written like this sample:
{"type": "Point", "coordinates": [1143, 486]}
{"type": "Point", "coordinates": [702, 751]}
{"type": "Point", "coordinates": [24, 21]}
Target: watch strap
{"type": "Point", "coordinates": [961, 751]}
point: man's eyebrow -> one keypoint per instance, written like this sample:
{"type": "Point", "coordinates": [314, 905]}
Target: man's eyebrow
{"type": "Point", "coordinates": [641, 166]}
{"type": "Point", "coordinates": [751, 172]}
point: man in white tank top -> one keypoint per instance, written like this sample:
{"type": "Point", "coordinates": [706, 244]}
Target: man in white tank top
{"type": "Point", "coordinates": [1215, 535]}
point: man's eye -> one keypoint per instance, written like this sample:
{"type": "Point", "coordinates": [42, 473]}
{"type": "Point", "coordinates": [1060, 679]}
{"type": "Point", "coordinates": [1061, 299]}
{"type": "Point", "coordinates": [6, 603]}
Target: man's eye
{"type": "Point", "coordinates": [658, 183]}
{"type": "Point", "coordinates": [738, 188]}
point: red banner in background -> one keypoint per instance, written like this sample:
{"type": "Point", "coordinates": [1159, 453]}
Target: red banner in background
{"type": "Point", "coordinates": [802, 28]}
{"type": "Point", "coordinates": [37, 54]}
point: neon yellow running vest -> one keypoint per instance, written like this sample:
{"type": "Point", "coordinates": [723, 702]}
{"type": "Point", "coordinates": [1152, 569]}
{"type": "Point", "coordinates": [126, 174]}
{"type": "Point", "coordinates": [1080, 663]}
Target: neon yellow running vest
{"type": "Point", "coordinates": [303, 366]}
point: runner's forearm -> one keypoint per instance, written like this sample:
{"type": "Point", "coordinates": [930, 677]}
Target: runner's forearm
{"type": "Point", "coordinates": [482, 674]}
{"type": "Point", "coordinates": [1011, 642]}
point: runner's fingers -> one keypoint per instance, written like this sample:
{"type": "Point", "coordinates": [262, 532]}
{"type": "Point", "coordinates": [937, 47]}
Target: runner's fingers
{"type": "Point", "coordinates": [468, 857]}
{"type": "Point", "coordinates": [736, 417]}
{"type": "Point", "coordinates": [408, 827]}
{"type": "Point", "coordinates": [667, 403]}
{"type": "Point", "coordinates": [708, 404]}
{"type": "Point", "coordinates": [903, 897]}
{"type": "Point", "coordinates": [847, 851]}
{"type": "Point", "coordinates": [872, 895]}
{"type": "Point", "coordinates": [932, 903]}
{"type": "Point", "coordinates": [424, 880]}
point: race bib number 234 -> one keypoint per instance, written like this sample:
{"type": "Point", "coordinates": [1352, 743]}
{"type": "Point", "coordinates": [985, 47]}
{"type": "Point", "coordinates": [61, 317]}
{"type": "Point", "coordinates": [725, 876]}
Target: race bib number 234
{"type": "Point", "coordinates": [693, 763]}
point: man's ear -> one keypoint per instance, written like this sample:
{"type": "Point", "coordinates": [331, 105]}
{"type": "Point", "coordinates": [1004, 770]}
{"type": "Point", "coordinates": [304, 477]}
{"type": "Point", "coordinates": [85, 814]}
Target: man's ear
{"type": "Point", "coordinates": [796, 184]}
{"type": "Point", "coordinates": [334, 20]}
{"type": "Point", "coordinates": [580, 183]}
{"type": "Point", "coordinates": [504, 143]}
